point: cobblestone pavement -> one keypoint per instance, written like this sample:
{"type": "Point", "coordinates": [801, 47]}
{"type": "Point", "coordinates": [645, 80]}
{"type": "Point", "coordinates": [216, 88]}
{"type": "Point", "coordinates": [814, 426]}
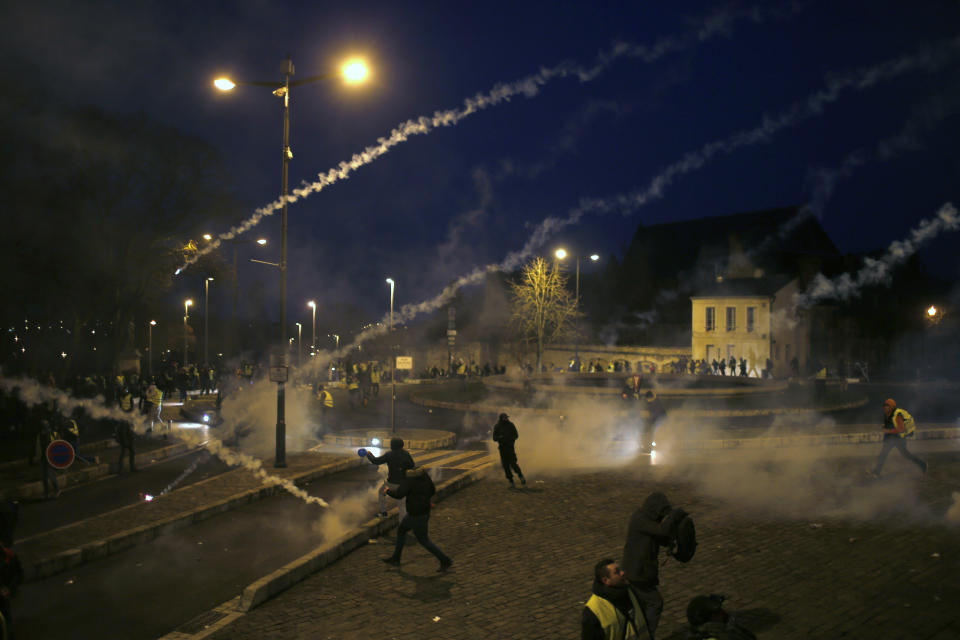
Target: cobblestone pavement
{"type": "Point", "coordinates": [801, 549]}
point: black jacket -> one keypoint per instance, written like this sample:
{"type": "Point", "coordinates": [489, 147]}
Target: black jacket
{"type": "Point", "coordinates": [619, 597]}
{"type": "Point", "coordinates": [505, 435]}
{"type": "Point", "coordinates": [652, 525]}
{"type": "Point", "coordinates": [417, 488]}
{"type": "Point", "coordinates": [397, 461]}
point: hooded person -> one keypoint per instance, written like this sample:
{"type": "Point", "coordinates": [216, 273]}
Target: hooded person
{"type": "Point", "coordinates": [398, 460]}
{"type": "Point", "coordinates": [418, 490]}
{"type": "Point", "coordinates": [613, 610]}
{"type": "Point", "coordinates": [651, 526]}
{"type": "Point", "coordinates": [505, 435]}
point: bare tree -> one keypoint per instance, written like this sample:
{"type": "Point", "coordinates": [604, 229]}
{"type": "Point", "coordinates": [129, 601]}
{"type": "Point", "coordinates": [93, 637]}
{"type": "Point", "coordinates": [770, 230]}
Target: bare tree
{"type": "Point", "coordinates": [543, 307]}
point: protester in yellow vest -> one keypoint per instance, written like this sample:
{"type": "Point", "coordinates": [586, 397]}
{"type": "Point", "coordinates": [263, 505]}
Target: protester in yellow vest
{"type": "Point", "coordinates": [898, 425]}
{"type": "Point", "coordinates": [613, 611]}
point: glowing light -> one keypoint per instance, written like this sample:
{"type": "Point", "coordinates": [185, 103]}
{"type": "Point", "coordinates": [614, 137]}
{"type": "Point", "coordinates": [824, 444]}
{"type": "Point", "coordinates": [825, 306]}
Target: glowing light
{"type": "Point", "coordinates": [932, 311]}
{"type": "Point", "coordinates": [148, 497]}
{"type": "Point", "coordinates": [63, 354]}
{"type": "Point", "coordinates": [355, 71]}
{"type": "Point", "coordinates": [375, 442]}
{"type": "Point", "coordinates": [207, 236]}
{"type": "Point", "coordinates": [177, 272]}
{"type": "Point", "coordinates": [390, 281]}
{"type": "Point", "coordinates": [224, 84]}
{"type": "Point", "coordinates": [560, 253]}
{"type": "Point", "coordinates": [206, 418]}
{"type": "Point", "coordinates": [261, 241]}
{"type": "Point", "coordinates": [312, 304]}
{"type": "Point", "coordinates": [594, 257]}
{"type": "Point", "coordinates": [210, 279]}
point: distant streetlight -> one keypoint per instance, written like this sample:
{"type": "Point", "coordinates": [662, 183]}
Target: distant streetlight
{"type": "Point", "coordinates": [206, 320]}
{"type": "Point", "coordinates": [152, 324]}
{"type": "Point", "coordinates": [561, 254]}
{"type": "Point", "coordinates": [186, 316]}
{"type": "Point", "coordinates": [313, 341]}
{"type": "Point", "coordinates": [932, 311]}
{"type": "Point", "coordinates": [299, 344]}
{"type": "Point", "coordinates": [352, 73]}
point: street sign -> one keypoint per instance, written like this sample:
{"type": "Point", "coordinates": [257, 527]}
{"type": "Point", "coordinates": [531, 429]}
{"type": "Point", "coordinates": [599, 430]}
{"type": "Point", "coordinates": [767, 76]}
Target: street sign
{"type": "Point", "coordinates": [405, 362]}
{"type": "Point", "coordinates": [278, 374]}
{"type": "Point", "coordinates": [60, 454]}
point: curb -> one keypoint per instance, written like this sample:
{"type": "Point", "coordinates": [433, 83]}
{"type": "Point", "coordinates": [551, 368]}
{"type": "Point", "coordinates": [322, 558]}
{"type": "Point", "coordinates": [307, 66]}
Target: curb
{"type": "Point", "coordinates": [942, 433]}
{"type": "Point", "coordinates": [361, 438]}
{"type": "Point", "coordinates": [290, 574]}
{"type": "Point", "coordinates": [70, 558]}
{"type": "Point", "coordinates": [35, 489]}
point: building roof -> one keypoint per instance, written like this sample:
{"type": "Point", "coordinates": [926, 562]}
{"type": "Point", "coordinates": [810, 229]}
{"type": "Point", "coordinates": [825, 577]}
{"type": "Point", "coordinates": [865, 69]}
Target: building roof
{"type": "Point", "coordinates": [742, 288]}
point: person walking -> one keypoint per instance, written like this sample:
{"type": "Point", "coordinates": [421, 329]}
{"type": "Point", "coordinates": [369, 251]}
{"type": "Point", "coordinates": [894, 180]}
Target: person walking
{"type": "Point", "coordinates": [123, 434]}
{"type": "Point", "coordinates": [153, 404]}
{"type": "Point", "coordinates": [398, 460]}
{"type": "Point", "coordinates": [325, 402]}
{"type": "Point", "coordinates": [505, 435]}
{"type": "Point", "coordinates": [46, 436]}
{"type": "Point", "coordinates": [898, 425]}
{"type": "Point", "coordinates": [613, 611]}
{"type": "Point", "coordinates": [651, 526]}
{"type": "Point", "coordinates": [417, 489]}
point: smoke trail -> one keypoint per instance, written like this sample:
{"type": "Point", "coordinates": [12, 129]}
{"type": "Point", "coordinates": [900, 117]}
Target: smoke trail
{"type": "Point", "coordinates": [33, 393]}
{"type": "Point", "coordinates": [719, 23]}
{"type": "Point", "coordinates": [929, 58]}
{"type": "Point", "coordinates": [203, 457]}
{"type": "Point", "coordinates": [921, 121]}
{"type": "Point", "coordinates": [877, 271]}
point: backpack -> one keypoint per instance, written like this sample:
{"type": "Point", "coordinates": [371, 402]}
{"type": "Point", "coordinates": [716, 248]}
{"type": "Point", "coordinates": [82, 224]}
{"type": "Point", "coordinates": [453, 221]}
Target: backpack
{"type": "Point", "coordinates": [686, 537]}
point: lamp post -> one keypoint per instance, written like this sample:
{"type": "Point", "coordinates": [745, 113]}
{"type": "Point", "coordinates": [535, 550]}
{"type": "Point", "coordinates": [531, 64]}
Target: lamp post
{"type": "Point", "coordinates": [393, 366]}
{"type": "Point", "coordinates": [152, 324]}
{"type": "Point", "coordinates": [313, 341]}
{"type": "Point", "coordinates": [186, 316]}
{"type": "Point", "coordinates": [299, 344]}
{"type": "Point", "coordinates": [206, 320]}
{"type": "Point", "coordinates": [561, 254]}
{"type": "Point", "coordinates": [353, 72]}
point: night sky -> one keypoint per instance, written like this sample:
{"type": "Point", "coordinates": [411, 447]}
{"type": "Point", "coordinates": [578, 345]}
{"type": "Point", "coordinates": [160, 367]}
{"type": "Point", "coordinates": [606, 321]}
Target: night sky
{"type": "Point", "coordinates": [875, 155]}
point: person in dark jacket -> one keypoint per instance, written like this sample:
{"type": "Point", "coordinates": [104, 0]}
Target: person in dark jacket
{"type": "Point", "coordinates": [651, 526]}
{"type": "Point", "coordinates": [123, 434]}
{"type": "Point", "coordinates": [418, 489]}
{"type": "Point", "coordinates": [613, 611]}
{"type": "Point", "coordinates": [397, 460]}
{"type": "Point", "coordinates": [505, 435]}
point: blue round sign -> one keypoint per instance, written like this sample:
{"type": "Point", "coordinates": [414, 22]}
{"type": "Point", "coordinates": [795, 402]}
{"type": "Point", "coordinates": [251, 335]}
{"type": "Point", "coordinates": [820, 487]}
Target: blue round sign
{"type": "Point", "coordinates": [60, 454]}
{"type": "Point", "coordinates": [362, 453]}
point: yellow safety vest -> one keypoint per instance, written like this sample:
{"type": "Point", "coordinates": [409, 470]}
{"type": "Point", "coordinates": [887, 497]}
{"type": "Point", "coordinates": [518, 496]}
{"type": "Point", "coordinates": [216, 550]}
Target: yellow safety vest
{"type": "Point", "coordinates": [375, 376]}
{"type": "Point", "coordinates": [615, 624]}
{"type": "Point", "coordinates": [155, 396]}
{"type": "Point", "coordinates": [74, 428]}
{"type": "Point", "coordinates": [326, 398]}
{"type": "Point", "coordinates": [822, 374]}
{"type": "Point", "coordinates": [126, 402]}
{"type": "Point", "coordinates": [910, 425]}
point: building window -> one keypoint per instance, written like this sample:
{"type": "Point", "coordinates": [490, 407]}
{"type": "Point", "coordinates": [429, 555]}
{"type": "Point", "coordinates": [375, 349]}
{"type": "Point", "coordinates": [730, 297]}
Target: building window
{"type": "Point", "coordinates": [711, 353]}
{"type": "Point", "coordinates": [711, 319]}
{"type": "Point", "coordinates": [751, 319]}
{"type": "Point", "coordinates": [731, 318]}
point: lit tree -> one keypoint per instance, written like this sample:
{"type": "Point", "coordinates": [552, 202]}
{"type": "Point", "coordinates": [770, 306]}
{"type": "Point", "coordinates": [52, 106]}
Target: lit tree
{"type": "Point", "coordinates": [543, 307]}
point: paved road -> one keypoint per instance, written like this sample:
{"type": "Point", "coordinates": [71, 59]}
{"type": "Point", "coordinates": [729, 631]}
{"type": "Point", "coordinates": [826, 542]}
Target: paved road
{"type": "Point", "coordinates": [802, 548]}
{"type": "Point", "coordinates": [149, 590]}
{"type": "Point", "coordinates": [112, 492]}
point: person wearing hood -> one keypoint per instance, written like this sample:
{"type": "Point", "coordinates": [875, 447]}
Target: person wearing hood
{"type": "Point", "coordinates": [613, 611]}
{"type": "Point", "coordinates": [397, 460]}
{"type": "Point", "coordinates": [505, 435]}
{"type": "Point", "coordinates": [418, 489]}
{"type": "Point", "coordinates": [651, 526]}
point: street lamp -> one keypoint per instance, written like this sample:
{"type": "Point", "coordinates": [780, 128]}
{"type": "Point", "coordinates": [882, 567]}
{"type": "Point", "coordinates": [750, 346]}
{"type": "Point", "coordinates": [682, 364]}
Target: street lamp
{"type": "Point", "coordinates": [299, 343]}
{"type": "Point", "coordinates": [393, 367]}
{"type": "Point", "coordinates": [313, 341]}
{"type": "Point", "coordinates": [152, 324]}
{"type": "Point", "coordinates": [186, 316]}
{"type": "Point", "coordinates": [206, 320]}
{"type": "Point", "coordinates": [354, 71]}
{"type": "Point", "coordinates": [561, 254]}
